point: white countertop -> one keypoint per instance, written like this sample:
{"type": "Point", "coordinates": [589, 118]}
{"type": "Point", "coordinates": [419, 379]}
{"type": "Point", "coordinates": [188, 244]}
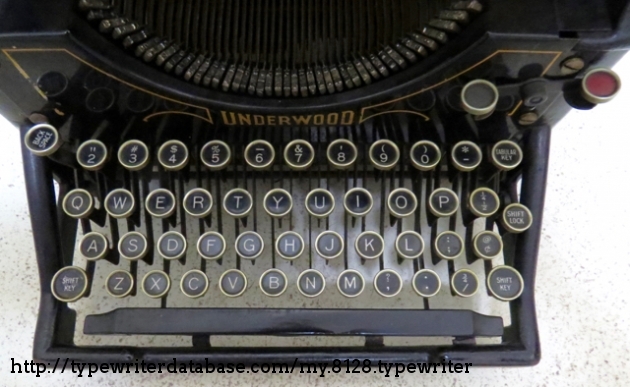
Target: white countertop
{"type": "Point", "coordinates": [583, 278]}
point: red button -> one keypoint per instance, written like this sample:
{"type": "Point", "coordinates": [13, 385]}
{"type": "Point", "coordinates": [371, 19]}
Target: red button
{"type": "Point", "coordinates": [600, 86]}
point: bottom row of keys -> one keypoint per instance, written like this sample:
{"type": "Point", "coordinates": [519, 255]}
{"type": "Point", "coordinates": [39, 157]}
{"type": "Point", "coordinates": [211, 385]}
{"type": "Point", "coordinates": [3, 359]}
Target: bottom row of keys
{"type": "Point", "coordinates": [503, 282]}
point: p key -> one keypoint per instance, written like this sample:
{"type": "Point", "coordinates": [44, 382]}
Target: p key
{"type": "Point", "coordinates": [443, 202]}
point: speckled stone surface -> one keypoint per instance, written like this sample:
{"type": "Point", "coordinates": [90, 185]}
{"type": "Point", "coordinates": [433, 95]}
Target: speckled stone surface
{"type": "Point", "coordinates": [582, 283]}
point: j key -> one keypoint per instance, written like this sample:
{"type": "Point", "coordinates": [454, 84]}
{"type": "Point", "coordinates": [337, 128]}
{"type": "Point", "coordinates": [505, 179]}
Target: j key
{"type": "Point", "coordinates": [237, 203]}
{"type": "Point", "coordinates": [425, 155]}
{"type": "Point", "coordinates": [388, 283]}
{"type": "Point", "coordinates": [369, 245]}
{"type": "Point", "coordinates": [78, 203]}
{"type": "Point", "coordinates": [69, 284]}
{"type": "Point", "coordinates": [466, 156]}
{"type": "Point", "coordinates": [249, 245]}
{"type": "Point", "coordinates": [443, 202]}
{"type": "Point", "coordinates": [120, 203]}
{"type": "Point", "coordinates": [350, 283]}
{"type": "Point", "coordinates": [259, 154]}
{"type": "Point", "coordinates": [320, 203]}
{"type": "Point", "coordinates": [409, 245]}
{"type": "Point", "coordinates": [233, 283]}
{"type": "Point", "coordinates": [92, 155]}
{"type": "Point", "coordinates": [517, 218]}
{"type": "Point", "coordinates": [329, 245]}
{"type": "Point", "coordinates": [273, 283]}
{"type": "Point", "coordinates": [198, 202]}
{"type": "Point", "coordinates": [449, 245]}
{"type": "Point", "coordinates": [216, 155]}
{"type": "Point", "coordinates": [290, 245]}
{"type": "Point", "coordinates": [194, 284]}
{"type": "Point", "coordinates": [483, 202]}
{"type": "Point", "coordinates": [278, 202]}
{"type": "Point", "coordinates": [506, 155]}
{"type": "Point", "coordinates": [172, 245]}
{"type": "Point", "coordinates": [505, 283]}
{"type": "Point", "coordinates": [173, 155]}
{"type": "Point", "coordinates": [133, 155]}
{"type": "Point", "coordinates": [487, 245]}
{"type": "Point", "coordinates": [211, 245]}
{"type": "Point", "coordinates": [464, 283]}
{"type": "Point", "coordinates": [119, 283]}
{"type": "Point", "coordinates": [426, 283]}
{"type": "Point", "coordinates": [156, 284]}
{"type": "Point", "coordinates": [299, 154]}
{"type": "Point", "coordinates": [133, 246]}
{"type": "Point", "coordinates": [358, 202]}
{"type": "Point", "coordinates": [384, 155]}
{"type": "Point", "coordinates": [94, 246]}
{"type": "Point", "coordinates": [160, 203]}
{"type": "Point", "coordinates": [402, 202]}
{"type": "Point", "coordinates": [42, 140]}
{"type": "Point", "coordinates": [311, 283]}
{"type": "Point", "coordinates": [341, 153]}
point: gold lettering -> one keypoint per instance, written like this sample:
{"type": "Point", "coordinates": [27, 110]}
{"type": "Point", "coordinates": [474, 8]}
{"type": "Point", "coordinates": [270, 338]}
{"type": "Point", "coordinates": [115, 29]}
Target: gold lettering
{"type": "Point", "coordinates": [259, 120]}
{"type": "Point", "coordinates": [302, 120]}
{"type": "Point", "coordinates": [271, 120]}
{"type": "Point", "coordinates": [226, 120]}
{"type": "Point", "coordinates": [347, 117]}
{"type": "Point", "coordinates": [284, 120]}
{"type": "Point", "coordinates": [244, 119]}
{"type": "Point", "coordinates": [318, 119]}
{"type": "Point", "coordinates": [332, 119]}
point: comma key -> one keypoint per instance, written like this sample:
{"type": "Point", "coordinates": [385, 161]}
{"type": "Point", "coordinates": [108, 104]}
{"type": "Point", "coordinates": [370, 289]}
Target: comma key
{"type": "Point", "coordinates": [388, 283]}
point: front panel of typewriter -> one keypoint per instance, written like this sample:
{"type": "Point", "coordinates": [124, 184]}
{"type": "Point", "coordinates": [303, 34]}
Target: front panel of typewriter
{"type": "Point", "coordinates": [277, 187]}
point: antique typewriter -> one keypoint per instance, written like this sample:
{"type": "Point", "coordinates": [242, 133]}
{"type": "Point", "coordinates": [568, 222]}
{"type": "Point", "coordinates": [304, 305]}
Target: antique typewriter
{"type": "Point", "coordinates": [239, 180]}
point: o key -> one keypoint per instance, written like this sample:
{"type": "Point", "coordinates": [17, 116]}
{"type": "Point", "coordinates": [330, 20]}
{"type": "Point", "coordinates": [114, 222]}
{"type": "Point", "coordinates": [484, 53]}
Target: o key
{"type": "Point", "coordinates": [402, 202]}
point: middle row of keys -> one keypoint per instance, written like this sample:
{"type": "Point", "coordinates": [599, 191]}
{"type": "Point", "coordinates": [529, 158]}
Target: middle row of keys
{"type": "Point", "coordinates": [320, 203]}
{"type": "Point", "coordinates": [173, 155]}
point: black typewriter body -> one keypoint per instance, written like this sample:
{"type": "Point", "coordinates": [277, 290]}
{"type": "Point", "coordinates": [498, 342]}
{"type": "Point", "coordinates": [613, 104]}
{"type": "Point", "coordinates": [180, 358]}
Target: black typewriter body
{"type": "Point", "coordinates": [430, 136]}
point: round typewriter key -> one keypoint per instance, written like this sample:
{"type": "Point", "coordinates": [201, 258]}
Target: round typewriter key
{"type": "Point", "coordinates": [94, 246]}
{"type": "Point", "coordinates": [358, 202]}
{"type": "Point", "coordinates": [78, 203]}
{"type": "Point", "coordinates": [506, 155]}
{"type": "Point", "coordinates": [409, 245]}
{"type": "Point", "coordinates": [100, 100]}
{"type": "Point", "coordinates": [369, 245]}
{"type": "Point", "coordinates": [466, 156]}
{"type": "Point", "coordinates": [464, 283]}
{"type": "Point", "coordinates": [426, 283]}
{"type": "Point", "coordinates": [483, 202]}
{"type": "Point", "coordinates": [120, 203]}
{"type": "Point", "coordinates": [198, 202]}
{"type": "Point", "coordinates": [237, 203]}
{"type": "Point", "coordinates": [487, 245]}
{"type": "Point", "coordinates": [92, 155]}
{"type": "Point", "coordinates": [194, 284]}
{"type": "Point", "coordinates": [133, 246]}
{"type": "Point", "coordinates": [249, 245]}
{"type": "Point", "coordinates": [278, 202]}
{"type": "Point", "coordinates": [600, 85]}
{"type": "Point", "coordinates": [69, 284]}
{"type": "Point", "coordinates": [341, 153]}
{"type": "Point", "coordinates": [320, 203]}
{"type": "Point", "coordinates": [259, 154]}
{"type": "Point", "coordinates": [517, 218]}
{"type": "Point", "coordinates": [173, 155]}
{"type": "Point", "coordinates": [273, 282]}
{"type": "Point", "coordinates": [350, 283]}
{"type": "Point", "coordinates": [156, 284]}
{"type": "Point", "coordinates": [329, 245]}
{"type": "Point", "coordinates": [311, 283]}
{"type": "Point", "coordinates": [384, 154]}
{"type": "Point", "coordinates": [139, 102]}
{"type": "Point", "coordinates": [216, 155]}
{"type": "Point", "coordinates": [388, 283]}
{"type": "Point", "coordinates": [42, 140]}
{"type": "Point", "coordinates": [505, 283]}
{"type": "Point", "coordinates": [160, 203]}
{"type": "Point", "coordinates": [53, 84]}
{"type": "Point", "coordinates": [172, 245]}
{"type": "Point", "coordinates": [211, 245]}
{"type": "Point", "coordinates": [479, 97]}
{"type": "Point", "coordinates": [449, 245]}
{"type": "Point", "coordinates": [299, 154]}
{"type": "Point", "coordinates": [233, 283]}
{"type": "Point", "coordinates": [133, 155]}
{"type": "Point", "coordinates": [443, 202]}
{"type": "Point", "coordinates": [401, 203]}
{"type": "Point", "coordinates": [425, 155]}
{"type": "Point", "coordinates": [290, 245]}
{"type": "Point", "coordinates": [119, 283]}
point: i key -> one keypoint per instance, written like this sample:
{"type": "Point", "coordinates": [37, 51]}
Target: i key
{"type": "Point", "coordinates": [402, 202]}
{"type": "Point", "coordinates": [92, 155]}
{"type": "Point", "coordinates": [173, 155]}
{"type": "Point", "coordinates": [358, 202]}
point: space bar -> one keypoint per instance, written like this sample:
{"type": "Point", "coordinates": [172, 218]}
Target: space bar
{"type": "Point", "coordinates": [253, 321]}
